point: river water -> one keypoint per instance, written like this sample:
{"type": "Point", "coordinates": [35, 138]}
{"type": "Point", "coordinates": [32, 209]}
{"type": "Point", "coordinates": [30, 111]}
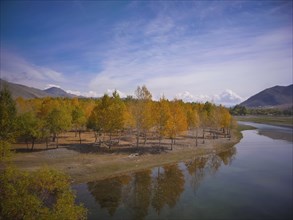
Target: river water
{"type": "Point", "coordinates": [253, 180]}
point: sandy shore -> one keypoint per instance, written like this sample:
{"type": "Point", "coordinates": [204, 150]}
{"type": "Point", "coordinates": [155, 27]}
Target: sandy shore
{"type": "Point", "coordinates": [86, 162]}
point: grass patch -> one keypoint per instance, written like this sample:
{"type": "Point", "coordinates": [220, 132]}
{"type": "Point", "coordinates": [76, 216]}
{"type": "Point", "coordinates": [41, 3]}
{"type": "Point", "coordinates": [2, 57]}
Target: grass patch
{"type": "Point", "coordinates": [286, 121]}
{"type": "Point", "coordinates": [245, 127]}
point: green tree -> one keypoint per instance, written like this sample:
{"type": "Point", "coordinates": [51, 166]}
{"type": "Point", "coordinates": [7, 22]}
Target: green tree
{"type": "Point", "coordinates": [58, 121]}
{"type": "Point", "coordinates": [7, 123]}
{"type": "Point", "coordinates": [7, 116]}
{"type": "Point", "coordinates": [43, 194]}
{"type": "Point", "coordinates": [78, 120]}
{"type": "Point", "coordinates": [30, 127]}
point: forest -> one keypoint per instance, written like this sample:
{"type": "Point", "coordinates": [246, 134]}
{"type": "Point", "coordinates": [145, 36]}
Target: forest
{"type": "Point", "coordinates": [110, 118]}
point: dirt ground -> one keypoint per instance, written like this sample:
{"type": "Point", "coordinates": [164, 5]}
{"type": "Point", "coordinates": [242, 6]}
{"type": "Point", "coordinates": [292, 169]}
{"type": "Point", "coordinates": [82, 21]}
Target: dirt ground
{"type": "Point", "coordinates": [90, 161]}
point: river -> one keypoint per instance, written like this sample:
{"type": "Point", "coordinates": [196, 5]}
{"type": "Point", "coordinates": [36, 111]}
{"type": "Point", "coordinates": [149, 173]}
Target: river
{"type": "Point", "coordinates": [253, 180]}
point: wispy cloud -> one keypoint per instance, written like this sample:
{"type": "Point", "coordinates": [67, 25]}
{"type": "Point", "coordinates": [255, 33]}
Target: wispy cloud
{"type": "Point", "coordinates": [17, 69]}
{"type": "Point", "coordinates": [210, 61]}
{"type": "Point", "coordinates": [202, 47]}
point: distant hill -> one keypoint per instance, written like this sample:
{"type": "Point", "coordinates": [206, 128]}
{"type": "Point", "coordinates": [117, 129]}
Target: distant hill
{"type": "Point", "coordinates": [18, 90]}
{"type": "Point", "coordinates": [57, 92]}
{"type": "Point", "coordinates": [277, 96]}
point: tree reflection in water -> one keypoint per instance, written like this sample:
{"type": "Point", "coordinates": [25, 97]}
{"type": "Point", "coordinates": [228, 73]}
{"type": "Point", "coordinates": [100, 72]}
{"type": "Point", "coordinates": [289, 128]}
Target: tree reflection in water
{"type": "Point", "coordinates": [199, 167]}
{"type": "Point", "coordinates": [138, 192]}
{"type": "Point", "coordinates": [108, 192]}
{"type": "Point", "coordinates": [167, 187]}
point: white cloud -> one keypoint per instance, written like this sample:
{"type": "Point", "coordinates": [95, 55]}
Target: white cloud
{"type": "Point", "coordinates": [188, 97]}
{"type": "Point", "coordinates": [227, 98]}
{"type": "Point", "coordinates": [121, 94]}
{"type": "Point", "coordinates": [194, 62]}
{"type": "Point", "coordinates": [89, 94]}
{"type": "Point", "coordinates": [52, 85]}
{"type": "Point", "coordinates": [78, 93]}
{"type": "Point", "coordinates": [16, 69]}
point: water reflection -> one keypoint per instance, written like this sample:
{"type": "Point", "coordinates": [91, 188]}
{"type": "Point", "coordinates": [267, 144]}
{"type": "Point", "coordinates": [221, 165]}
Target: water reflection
{"type": "Point", "coordinates": [108, 192]}
{"type": "Point", "coordinates": [153, 190]}
{"type": "Point", "coordinates": [168, 185]}
{"type": "Point", "coordinates": [199, 168]}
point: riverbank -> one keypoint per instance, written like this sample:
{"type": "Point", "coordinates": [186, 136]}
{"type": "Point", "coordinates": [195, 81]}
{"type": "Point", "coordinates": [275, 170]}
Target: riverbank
{"type": "Point", "coordinates": [283, 121]}
{"type": "Point", "coordinates": [86, 163]}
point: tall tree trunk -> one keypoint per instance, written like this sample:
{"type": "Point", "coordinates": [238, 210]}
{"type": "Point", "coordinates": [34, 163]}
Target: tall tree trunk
{"type": "Point", "coordinates": [196, 137]}
{"type": "Point", "coordinates": [203, 140]}
{"type": "Point", "coordinates": [47, 145]}
{"type": "Point", "coordinates": [110, 142]}
{"type": "Point", "coordinates": [137, 139]}
{"type": "Point", "coordinates": [119, 136]}
{"type": "Point", "coordinates": [96, 136]}
{"type": "Point", "coordinates": [33, 143]}
{"type": "Point", "coordinates": [26, 141]}
{"type": "Point", "coordinates": [171, 143]}
{"type": "Point", "coordinates": [54, 137]}
{"type": "Point", "coordinates": [79, 133]}
{"type": "Point", "coordinates": [57, 144]}
{"type": "Point", "coordinates": [145, 138]}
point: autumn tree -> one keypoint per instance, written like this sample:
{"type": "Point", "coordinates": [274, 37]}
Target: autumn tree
{"type": "Point", "coordinates": [177, 122]}
{"type": "Point", "coordinates": [108, 116]}
{"type": "Point", "coordinates": [224, 119]}
{"type": "Point", "coordinates": [193, 120]}
{"type": "Point", "coordinates": [142, 113]}
{"type": "Point", "coordinates": [162, 116]}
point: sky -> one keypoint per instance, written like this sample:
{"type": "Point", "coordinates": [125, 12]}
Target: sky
{"type": "Point", "coordinates": [219, 51]}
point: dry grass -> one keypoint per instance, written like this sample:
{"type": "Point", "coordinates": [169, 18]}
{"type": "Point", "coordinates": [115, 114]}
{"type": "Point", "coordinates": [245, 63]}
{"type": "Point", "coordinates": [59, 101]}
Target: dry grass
{"type": "Point", "coordinates": [85, 162]}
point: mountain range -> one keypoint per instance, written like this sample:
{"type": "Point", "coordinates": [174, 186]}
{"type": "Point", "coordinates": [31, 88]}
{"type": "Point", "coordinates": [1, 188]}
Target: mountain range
{"type": "Point", "coordinates": [277, 96]}
{"type": "Point", "coordinates": [18, 90]}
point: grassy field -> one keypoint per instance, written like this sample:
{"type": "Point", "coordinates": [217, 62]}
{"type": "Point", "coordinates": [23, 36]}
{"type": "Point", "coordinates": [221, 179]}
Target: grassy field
{"type": "Point", "coordinates": [286, 121]}
{"type": "Point", "coordinates": [86, 162]}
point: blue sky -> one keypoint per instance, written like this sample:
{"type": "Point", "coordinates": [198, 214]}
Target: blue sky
{"type": "Point", "coordinates": [222, 51]}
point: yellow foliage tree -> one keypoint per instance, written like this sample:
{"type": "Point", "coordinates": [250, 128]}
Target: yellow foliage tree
{"type": "Point", "coordinates": [177, 121]}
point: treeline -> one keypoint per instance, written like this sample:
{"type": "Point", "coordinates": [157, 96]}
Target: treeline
{"type": "Point", "coordinates": [242, 110]}
{"type": "Point", "coordinates": [46, 118]}
{"type": "Point", "coordinates": [42, 194]}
